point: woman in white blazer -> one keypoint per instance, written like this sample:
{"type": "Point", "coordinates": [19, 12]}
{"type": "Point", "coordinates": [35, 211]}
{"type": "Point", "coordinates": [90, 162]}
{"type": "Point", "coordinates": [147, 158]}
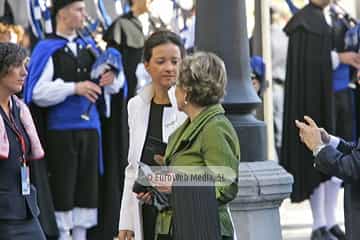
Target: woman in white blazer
{"type": "Point", "coordinates": [152, 113]}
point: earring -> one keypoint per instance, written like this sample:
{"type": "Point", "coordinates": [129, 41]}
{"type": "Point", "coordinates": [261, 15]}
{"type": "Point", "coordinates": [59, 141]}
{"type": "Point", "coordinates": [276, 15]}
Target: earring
{"type": "Point", "coordinates": [185, 102]}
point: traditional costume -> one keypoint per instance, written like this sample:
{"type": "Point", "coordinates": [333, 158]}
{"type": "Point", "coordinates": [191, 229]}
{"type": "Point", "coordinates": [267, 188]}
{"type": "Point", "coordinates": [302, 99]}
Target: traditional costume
{"type": "Point", "coordinates": [73, 145]}
{"type": "Point", "coordinates": [125, 34]}
{"type": "Point", "coordinates": [308, 91]}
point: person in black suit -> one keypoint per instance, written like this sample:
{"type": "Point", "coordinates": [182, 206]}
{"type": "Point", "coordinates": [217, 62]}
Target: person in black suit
{"type": "Point", "coordinates": [336, 157]}
{"type": "Point", "coordinates": [19, 144]}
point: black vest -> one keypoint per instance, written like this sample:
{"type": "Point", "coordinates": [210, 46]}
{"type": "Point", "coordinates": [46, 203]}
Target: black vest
{"type": "Point", "coordinates": [13, 205]}
{"type": "Point", "coordinates": [72, 68]}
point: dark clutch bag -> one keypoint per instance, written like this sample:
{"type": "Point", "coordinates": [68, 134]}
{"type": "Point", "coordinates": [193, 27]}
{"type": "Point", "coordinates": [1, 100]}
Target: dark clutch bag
{"type": "Point", "coordinates": [139, 188]}
{"type": "Point", "coordinates": [153, 146]}
{"type": "Point", "coordinates": [141, 184]}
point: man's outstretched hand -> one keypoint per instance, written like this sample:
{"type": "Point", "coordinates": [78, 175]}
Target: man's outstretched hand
{"type": "Point", "coordinates": [311, 134]}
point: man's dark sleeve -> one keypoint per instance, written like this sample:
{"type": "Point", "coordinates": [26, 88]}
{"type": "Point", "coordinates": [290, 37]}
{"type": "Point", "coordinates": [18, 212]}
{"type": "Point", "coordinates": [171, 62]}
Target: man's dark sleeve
{"type": "Point", "coordinates": [346, 147]}
{"type": "Point", "coordinates": [342, 162]}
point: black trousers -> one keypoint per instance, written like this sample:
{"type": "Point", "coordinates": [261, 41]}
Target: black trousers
{"type": "Point", "coordinates": [28, 229]}
{"type": "Point", "coordinates": [73, 168]}
{"type": "Point", "coordinates": [149, 214]}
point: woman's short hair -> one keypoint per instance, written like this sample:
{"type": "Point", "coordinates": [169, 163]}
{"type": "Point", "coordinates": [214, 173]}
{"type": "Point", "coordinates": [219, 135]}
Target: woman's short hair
{"type": "Point", "coordinates": [203, 77]}
{"type": "Point", "coordinates": [11, 55]}
{"type": "Point", "coordinates": [159, 38]}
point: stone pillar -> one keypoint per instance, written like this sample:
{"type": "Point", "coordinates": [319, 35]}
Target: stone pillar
{"type": "Point", "coordinates": [357, 7]}
{"type": "Point", "coordinates": [262, 188]}
{"type": "Point", "coordinates": [263, 39]}
{"type": "Point", "coordinates": [221, 28]}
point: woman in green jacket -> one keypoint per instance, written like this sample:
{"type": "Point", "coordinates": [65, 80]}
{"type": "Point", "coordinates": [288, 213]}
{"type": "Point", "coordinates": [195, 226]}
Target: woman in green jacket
{"type": "Point", "coordinates": [206, 139]}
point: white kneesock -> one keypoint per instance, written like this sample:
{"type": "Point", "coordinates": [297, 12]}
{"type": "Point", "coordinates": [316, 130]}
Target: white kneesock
{"type": "Point", "coordinates": [317, 207]}
{"type": "Point", "coordinates": [64, 235]}
{"type": "Point", "coordinates": [332, 188]}
{"type": "Point", "coordinates": [64, 223]}
{"type": "Point", "coordinates": [79, 233]}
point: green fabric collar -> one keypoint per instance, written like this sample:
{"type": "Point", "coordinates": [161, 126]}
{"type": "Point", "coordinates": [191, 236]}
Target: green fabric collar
{"type": "Point", "coordinates": [189, 130]}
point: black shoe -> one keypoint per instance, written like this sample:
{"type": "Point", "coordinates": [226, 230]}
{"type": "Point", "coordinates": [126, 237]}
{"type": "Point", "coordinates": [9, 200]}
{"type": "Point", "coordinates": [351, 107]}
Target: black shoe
{"type": "Point", "coordinates": [327, 235]}
{"type": "Point", "coordinates": [321, 234]}
{"type": "Point", "coordinates": [337, 232]}
{"type": "Point", "coordinates": [317, 234]}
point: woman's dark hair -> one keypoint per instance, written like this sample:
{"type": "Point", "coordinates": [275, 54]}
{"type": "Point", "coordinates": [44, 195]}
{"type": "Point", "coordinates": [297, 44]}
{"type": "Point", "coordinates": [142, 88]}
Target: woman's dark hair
{"type": "Point", "coordinates": [11, 55]}
{"type": "Point", "coordinates": [160, 38]}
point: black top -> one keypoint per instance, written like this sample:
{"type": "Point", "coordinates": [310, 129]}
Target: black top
{"type": "Point", "coordinates": [13, 205]}
{"type": "Point", "coordinates": [154, 134]}
{"type": "Point", "coordinates": [153, 145]}
{"type": "Point", "coordinates": [15, 153]}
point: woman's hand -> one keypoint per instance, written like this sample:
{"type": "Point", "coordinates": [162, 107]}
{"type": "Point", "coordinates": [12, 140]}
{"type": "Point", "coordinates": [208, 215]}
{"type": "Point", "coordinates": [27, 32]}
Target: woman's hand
{"type": "Point", "coordinates": [145, 197]}
{"type": "Point", "coordinates": [126, 235]}
{"type": "Point", "coordinates": [159, 159]}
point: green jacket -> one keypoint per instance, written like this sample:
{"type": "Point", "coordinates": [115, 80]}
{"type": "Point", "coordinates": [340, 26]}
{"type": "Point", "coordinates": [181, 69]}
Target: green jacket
{"type": "Point", "coordinates": [210, 140]}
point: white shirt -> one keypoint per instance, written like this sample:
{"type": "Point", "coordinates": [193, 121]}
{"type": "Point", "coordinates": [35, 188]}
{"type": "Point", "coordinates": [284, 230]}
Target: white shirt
{"type": "Point", "coordinates": [334, 55]}
{"type": "Point", "coordinates": [334, 142]}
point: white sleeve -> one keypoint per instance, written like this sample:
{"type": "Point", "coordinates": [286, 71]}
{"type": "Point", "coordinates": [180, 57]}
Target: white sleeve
{"type": "Point", "coordinates": [129, 201]}
{"type": "Point", "coordinates": [335, 60]}
{"type": "Point", "coordinates": [334, 141]}
{"type": "Point", "coordinates": [48, 92]}
{"type": "Point", "coordinates": [116, 85]}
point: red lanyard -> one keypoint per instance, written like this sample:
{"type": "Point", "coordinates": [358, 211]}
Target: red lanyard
{"type": "Point", "coordinates": [19, 136]}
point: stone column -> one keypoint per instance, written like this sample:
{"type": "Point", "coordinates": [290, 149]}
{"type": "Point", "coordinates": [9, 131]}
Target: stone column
{"type": "Point", "coordinates": [357, 7]}
{"type": "Point", "coordinates": [221, 28]}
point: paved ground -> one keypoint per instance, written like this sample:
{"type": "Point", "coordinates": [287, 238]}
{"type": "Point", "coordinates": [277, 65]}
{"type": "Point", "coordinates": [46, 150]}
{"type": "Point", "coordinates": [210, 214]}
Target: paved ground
{"type": "Point", "coordinates": [296, 219]}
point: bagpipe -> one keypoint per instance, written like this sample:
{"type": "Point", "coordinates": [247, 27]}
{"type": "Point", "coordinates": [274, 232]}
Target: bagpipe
{"type": "Point", "coordinates": [39, 16]}
{"type": "Point", "coordinates": [40, 19]}
{"type": "Point", "coordinates": [106, 60]}
{"type": "Point", "coordinates": [292, 7]}
{"type": "Point", "coordinates": [352, 31]}
{"type": "Point", "coordinates": [351, 25]}
{"type": "Point", "coordinates": [352, 35]}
